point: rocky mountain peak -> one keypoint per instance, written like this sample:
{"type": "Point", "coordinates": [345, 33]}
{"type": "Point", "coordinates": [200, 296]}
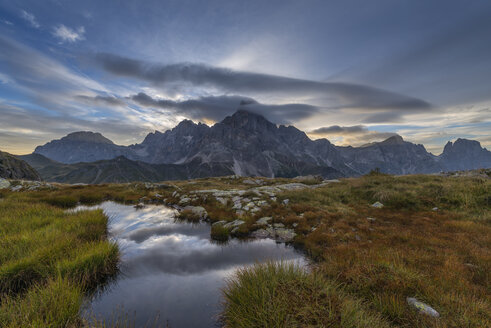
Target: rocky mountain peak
{"type": "Point", "coordinates": [248, 120]}
{"type": "Point", "coordinates": [394, 140]}
{"type": "Point", "coordinates": [87, 136]}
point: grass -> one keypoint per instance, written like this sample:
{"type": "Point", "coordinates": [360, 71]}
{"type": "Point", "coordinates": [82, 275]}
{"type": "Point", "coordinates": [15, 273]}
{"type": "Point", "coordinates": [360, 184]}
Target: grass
{"type": "Point", "coordinates": [363, 270]}
{"type": "Point", "coordinates": [281, 294]}
{"type": "Point", "coordinates": [441, 257]}
{"type": "Point", "coordinates": [219, 233]}
{"type": "Point", "coordinates": [49, 260]}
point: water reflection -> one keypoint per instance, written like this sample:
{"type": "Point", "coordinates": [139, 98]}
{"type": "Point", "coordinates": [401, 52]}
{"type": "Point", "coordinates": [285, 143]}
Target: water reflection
{"type": "Point", "coordinates": [171, 268]}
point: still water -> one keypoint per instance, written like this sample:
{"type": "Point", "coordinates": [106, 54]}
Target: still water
{"type": "Point", "coordinates": [170, 269]}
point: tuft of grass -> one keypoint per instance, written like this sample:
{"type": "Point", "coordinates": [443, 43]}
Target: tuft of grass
{"type": "Point", "coordinates": [219, 233]}
{"type": "Point", "coordinates": [49, 260]}
{"type": "Point", "coordinates": [281, 294]}
{"type": "Point", "coordinates": [53, 304]}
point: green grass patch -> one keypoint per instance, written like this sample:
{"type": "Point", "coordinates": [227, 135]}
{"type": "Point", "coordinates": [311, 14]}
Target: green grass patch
{"type": "Point", "coordinates": [281, 294]}
{"type": "Point", "coordinates": [50, 259]}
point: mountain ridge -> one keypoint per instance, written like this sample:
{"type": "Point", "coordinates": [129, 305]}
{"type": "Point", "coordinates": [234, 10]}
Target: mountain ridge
{"type": "Point", "coordinates": [247, 144]}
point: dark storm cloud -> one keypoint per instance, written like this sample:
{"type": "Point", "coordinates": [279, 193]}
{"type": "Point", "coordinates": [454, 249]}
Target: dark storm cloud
{"type": "Point", "coordinates": [348, 95]}
{"type": "Point", "coordinates": [216, 108]}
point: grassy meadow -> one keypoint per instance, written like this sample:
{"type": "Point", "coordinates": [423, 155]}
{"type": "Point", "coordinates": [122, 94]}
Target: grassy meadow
{"type": "Point", "coordinates": [431, 241]}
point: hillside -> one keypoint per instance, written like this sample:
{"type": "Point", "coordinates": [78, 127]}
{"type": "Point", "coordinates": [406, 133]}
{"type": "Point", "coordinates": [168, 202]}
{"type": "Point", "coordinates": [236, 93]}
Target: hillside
{"type": "Point", "coordinates": [14, 168]}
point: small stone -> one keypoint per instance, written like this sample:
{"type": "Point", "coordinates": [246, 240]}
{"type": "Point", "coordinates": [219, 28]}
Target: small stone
{"type": "Point", "coordinates": [234, 224]}
{"type": "Point", "coordinates": [249, 182]}
{"type": "Point", "coordinates": [221, 222]}
{"type": "Point", "coordinates": [434, 209]}
{"type": "Point", "coordinates": [422, 307]}
{"type": "Point", "coordinates": [377, 205]}
{"type": "Point", "coordinates": [284, 235]}
{"type": "Point", "coordinates": [278, 225]}
{"type": "Point", "coordinates": [261, 233]}
{"type": "Point", "coordinates": [4, 183]}
{"type": "Point", "coordinates": [295, 224]}
{"type": "Point", "coordinates": [158, 195]}
{"type": "Point", "coordinates": [184, 200]}
{"type": "Point", "coordinates": [16, 188]}
{"type": "Point", "coordinates": [197, 210]}
{"type": "Point", "coordinates": [357, 237]}
{"type": "Point", "coordinates": [264, 220]}
{"type": "Point", "coordinates": [273, 199]}
{"type": "Point", "coordinates": [286, 201]}
{"type": "Point", "coordinates": [371, 219]}
{"type": "Point", "coordinates": [223, 201]}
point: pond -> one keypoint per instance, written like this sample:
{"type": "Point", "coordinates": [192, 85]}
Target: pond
{"type": "Point", "coordinates": [172, 271]}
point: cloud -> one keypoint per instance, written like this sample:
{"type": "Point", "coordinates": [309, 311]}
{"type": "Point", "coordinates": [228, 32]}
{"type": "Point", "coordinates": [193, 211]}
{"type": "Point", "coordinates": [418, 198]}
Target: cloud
{"type": "Point", "coordinates": [101, 100]}
{"type": "Point", "coordinates": [350, 135]}
{"type": "Point", "coordinates": [30, 18]}
{"type": "Point", "coordinates": [39, 75]}
{"type": "Point", "coordinates": [218, 107]}
{"type": "Point", "coordinates": [341, 95]}
{"type": "Point", "coordinates": [66, 34]}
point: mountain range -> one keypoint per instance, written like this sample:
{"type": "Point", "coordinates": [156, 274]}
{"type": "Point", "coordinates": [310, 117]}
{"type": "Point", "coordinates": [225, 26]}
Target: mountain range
{"type": "Point", "coordinates": [245, 144]}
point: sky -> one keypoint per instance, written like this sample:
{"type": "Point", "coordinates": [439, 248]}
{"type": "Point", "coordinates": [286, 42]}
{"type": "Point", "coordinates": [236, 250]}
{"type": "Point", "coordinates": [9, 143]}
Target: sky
{"type": "Point", "coordinates": [351, 71]}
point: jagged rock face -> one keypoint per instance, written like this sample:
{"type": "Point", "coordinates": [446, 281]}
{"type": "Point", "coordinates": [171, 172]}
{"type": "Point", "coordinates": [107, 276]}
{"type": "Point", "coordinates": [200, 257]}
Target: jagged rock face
{"type": "Point", "coordinates": [14, 168]}
{"type": "Point", "coordinates": [249, 145]}
{"type": "Point", "coordinates": [393, 156]}
{"type": "Point", "coordinates": [465, 154]}
{"type": "Point", "coordinates": [82, 147]}
{"type": "Point", "coordinates": [246, 143]}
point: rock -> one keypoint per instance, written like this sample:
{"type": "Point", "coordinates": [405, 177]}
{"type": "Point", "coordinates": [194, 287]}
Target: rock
{"type": "Point", "coordinates": [357, 237]}
{"type": "Point", "coordinates": [422, 307]}
{"type": "Point", "coordinates": [255, 209]}
{"type": "Point", "coordinates": [16, 188]}
{"type": "Point", "coordinates": [264, 220]}
{"type": "Point", "coordinates": [286, 201]}
{"type": "Point", "coordinates": [261, 233]}
{"type": "Point", "coordinates": [295, 224]}
{"type": "Point", "coordinates": [278, 225]}
{"type": "Point", "coordinates": [237, 206]}
{"type": "Point", "coordinates": [434, 209]}
{"type": "Point", "coordinates": [158, 195]}
{"type": "Point", "coordinates": [139, 206]}
{"type": "Point", "coordinates": [249, 182]}
{"type": "Point", "coordinates": [377, 205]}
{"type": "Point", "coordinates": [234, 224]}
{"type": "Point", "coordinates": [284, 235]}
{"type": "Point", "coordinates": [240, 212]}
{"type": "Point", "coordinates": [308, 178]}
{"type": "Point", "coordinates": [371, 219]}
{"type": "Point", "coordinates": [273, 199]}
{"type": "Point", "coordinates": [292, 186]}
{"type": "Point", "coordinates": [199, 211]}
{"type": "Point", "coordinates": [222, 200]}
{"type": "Point", "coordinates": [221, 222]}
{"type": "Point", "coordinates": [184, 200]}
